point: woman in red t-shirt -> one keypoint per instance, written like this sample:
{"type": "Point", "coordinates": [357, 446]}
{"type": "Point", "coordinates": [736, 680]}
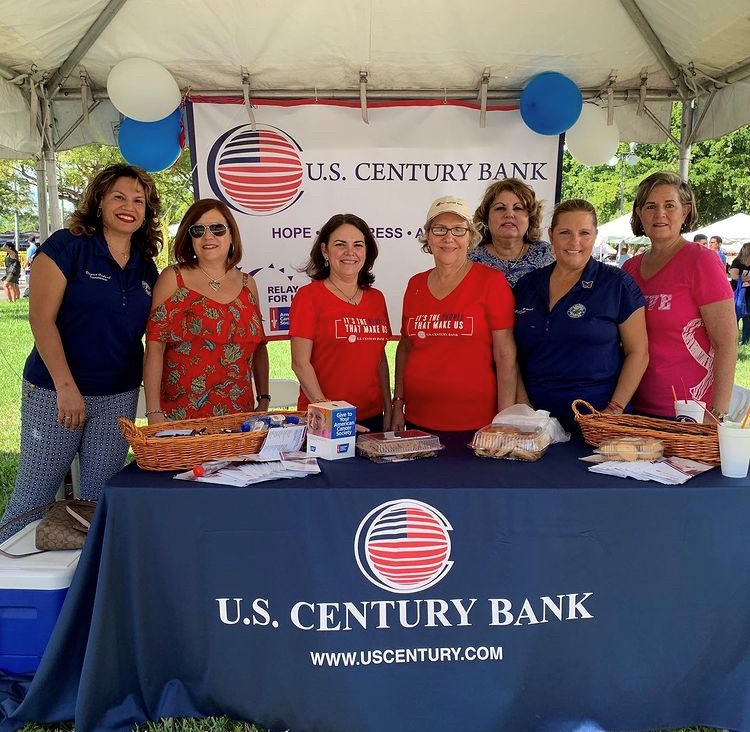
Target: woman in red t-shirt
{"type": "Point", "coordinates": [456, 360]}
{"type": "Point", "coordinates": [339, 324]}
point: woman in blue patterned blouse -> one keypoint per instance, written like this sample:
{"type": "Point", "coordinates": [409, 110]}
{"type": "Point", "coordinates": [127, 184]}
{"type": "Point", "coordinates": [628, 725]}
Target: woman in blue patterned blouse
{"type": "Point", "coordinates": [510, 219]}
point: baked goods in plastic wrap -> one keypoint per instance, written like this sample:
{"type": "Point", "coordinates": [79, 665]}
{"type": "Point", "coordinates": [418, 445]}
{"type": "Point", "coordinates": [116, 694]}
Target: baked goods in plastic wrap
{"type": "Point", "coordinates": [391, 447]}
{"type": "Point", "coordinates": [510, 442]}
{"type": "Point", "coordinates": [631, 448]}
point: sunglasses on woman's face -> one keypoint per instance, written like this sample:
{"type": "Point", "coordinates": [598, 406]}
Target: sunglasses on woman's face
{"type": "Point", "coordinates": [199, 230]}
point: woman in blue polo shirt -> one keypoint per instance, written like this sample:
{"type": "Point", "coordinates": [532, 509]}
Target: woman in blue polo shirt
{"type": "Point", "coordinates": [580, 324]}
{"type": "Point", "coordinates": [88, 307]}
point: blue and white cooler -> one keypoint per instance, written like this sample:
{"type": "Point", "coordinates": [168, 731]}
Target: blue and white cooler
{"type": "Point", "coordinates": [32, 591]}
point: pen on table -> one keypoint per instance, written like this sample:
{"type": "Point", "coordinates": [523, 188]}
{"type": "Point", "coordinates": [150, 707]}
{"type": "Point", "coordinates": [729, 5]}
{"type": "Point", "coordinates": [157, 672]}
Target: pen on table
{"type": "Point", "coordinates": [199, 471]}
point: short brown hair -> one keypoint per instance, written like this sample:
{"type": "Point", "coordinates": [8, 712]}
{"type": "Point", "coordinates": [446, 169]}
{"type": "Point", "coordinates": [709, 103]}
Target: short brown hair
{"type": "Point", "coordinates": [527, 195]}
{"type": "Point", "coordinates": [663, 178]}
{"type": "Point", "coordinates": [184, 253]}
{"type": "Point", "coordinates": [572, 205]}
{"type": "Point", "coordinates": [86, 219]}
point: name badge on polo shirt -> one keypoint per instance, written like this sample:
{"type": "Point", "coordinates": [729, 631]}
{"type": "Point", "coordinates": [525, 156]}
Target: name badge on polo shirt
{"type": "Point", "coordinates": [98, 276]}
{"type": "Point", "coordinates": [577, 311]}
{"type": "Point", "coordinates": [146, 287]}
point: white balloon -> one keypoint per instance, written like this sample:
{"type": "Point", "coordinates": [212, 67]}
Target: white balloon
{"type": "Point", "coordinates": [142, 90]}
{"type": "Point", "coordinates": [591, 140]}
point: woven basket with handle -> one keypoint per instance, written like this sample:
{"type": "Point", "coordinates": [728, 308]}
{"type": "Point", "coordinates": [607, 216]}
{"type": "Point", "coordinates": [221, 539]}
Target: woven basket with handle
{"type": "Point", "coordinates": [683, 439]}
{"type": "Point", "coordinates": [186, 451]}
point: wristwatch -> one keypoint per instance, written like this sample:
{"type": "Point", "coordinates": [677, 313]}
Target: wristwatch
{"type": "Point", "coordinates": [264, 396]}
{"type": "Point", "coordinates": [720, 416]}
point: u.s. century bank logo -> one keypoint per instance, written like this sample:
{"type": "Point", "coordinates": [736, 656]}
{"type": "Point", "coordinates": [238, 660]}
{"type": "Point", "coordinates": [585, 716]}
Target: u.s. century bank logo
{"type": "Point", "coordinates": [257, 173]}
{"type": "Point", "coordinates": [404, 546]}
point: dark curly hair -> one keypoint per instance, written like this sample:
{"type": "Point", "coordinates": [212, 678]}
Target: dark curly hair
{"type": "Point", "coordinates": [86, 220]}
{"type": "Point", "coordinates": [525, 193]}
{"type": "Point", "coordinates": [183, 242]}
{"type": "Point", "coordinates": [316, 269]}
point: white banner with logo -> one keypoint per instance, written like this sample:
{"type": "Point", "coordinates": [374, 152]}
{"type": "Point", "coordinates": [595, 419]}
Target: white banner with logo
{"type": "Point", "coordinates": [308, 161]}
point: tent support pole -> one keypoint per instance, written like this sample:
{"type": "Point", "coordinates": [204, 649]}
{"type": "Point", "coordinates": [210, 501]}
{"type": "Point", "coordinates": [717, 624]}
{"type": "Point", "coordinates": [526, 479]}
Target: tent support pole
{"type": "Point", "coordinates": [686, 135]}
{"type": "Point", "coordinates": [41, 199]}
{"type": "Point", "coordinates": [53, 210]}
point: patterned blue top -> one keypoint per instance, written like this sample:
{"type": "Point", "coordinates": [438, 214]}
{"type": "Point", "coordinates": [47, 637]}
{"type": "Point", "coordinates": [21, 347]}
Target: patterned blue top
{"type": "Point", "coordinates": [539, 254]}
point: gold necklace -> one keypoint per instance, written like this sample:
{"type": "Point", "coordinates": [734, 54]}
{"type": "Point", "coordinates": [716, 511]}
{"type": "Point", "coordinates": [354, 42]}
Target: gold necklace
{"type": "Point", "coordinates": [114, 252]}
{"type": "Point", "coordinates": [510, 262]}
{"type": "Point", "coordinates": [353, 299]}
{"type": "Point", "coordinates": [213, 284]}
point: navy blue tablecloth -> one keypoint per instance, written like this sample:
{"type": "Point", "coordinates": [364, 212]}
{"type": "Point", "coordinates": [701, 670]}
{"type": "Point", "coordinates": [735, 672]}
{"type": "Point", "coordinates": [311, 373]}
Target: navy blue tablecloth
{"type": "Point", "coordinates": [535, 596]}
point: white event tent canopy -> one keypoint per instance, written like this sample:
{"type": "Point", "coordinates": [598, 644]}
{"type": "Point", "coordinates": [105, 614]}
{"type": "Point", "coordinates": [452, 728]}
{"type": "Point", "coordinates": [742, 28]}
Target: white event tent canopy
{"type": "Point", "coordinates": [617, 231]}
{"type": "Point", "coordinates": [734, 231]}
{"type": "Point", "coordinates": [633, 57]}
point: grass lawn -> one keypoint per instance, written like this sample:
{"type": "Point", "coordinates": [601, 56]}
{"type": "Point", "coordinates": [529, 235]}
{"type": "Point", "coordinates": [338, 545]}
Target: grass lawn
{"type": "Point", "coordinates": [15, 344]}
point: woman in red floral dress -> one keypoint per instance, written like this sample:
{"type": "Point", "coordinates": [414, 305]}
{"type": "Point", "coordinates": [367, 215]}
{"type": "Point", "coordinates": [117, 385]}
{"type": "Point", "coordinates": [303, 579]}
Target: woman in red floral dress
{"type": "Point", "coordinates": [205, 342]}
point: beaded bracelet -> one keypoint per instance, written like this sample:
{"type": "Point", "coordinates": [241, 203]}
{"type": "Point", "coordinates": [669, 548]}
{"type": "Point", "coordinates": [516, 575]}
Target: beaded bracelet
{"type": "Point", "coordinates": [154, 411]}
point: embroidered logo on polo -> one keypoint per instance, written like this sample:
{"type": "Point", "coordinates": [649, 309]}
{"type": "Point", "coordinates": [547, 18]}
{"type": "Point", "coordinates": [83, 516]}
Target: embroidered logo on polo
{"type": "Point", "coordinates": [403, 546]}
{"type": "Point", "coordinates": [98, 276]}
{"type": "Point", "coordinates": [146, 287]}
{"type": "Point", "coordinates": [440, 324]}
{"type": "Point", "coordinates": [360, 329]}
{"type": "Point", "coordinates": [577, 311]}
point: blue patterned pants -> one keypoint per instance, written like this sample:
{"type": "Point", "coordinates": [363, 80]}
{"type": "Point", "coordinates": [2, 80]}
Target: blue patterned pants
{"type": "Point", "coordinates": [48, 449]}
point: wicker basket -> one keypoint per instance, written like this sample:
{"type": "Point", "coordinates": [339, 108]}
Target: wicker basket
{"type": "Point", "coordinates": [185, 452]}
{"type": "Point", "coordinates": [683, 439]}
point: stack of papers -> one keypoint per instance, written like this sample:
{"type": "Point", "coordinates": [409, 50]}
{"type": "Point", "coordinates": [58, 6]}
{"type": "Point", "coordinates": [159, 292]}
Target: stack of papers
{"type": "Point", "coordinates": [253, 469]}
{"type": "Point", "coordinates": [670, 471]}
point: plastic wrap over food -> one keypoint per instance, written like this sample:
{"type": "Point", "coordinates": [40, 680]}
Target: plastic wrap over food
{"type": "Point", "coordinates": [510, 443]}
{"type": "Point", "coordinates": [398, 446]}
{"type": "Point", "coordinates": [631, 448]}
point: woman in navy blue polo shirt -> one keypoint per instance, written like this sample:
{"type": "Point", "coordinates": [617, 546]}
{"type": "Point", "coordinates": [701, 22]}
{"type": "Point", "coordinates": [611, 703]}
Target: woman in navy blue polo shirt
{"type": "Point", "coordinates": [88, 307]}
{"type": "Point", "coordinates": [580, 325]}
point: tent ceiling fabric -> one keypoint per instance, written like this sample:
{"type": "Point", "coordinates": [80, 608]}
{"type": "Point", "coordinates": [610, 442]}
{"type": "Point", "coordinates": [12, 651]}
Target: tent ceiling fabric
{"type": "Point", "coordinates": [304, 45]}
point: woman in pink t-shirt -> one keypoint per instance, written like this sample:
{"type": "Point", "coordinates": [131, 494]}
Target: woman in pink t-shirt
{"type": "Point", "coordinates": [692, 331]}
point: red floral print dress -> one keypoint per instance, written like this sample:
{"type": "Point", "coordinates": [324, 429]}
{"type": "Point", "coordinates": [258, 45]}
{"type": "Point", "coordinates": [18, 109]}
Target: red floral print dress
{"type": "Point", "coordinates": [208, 352]}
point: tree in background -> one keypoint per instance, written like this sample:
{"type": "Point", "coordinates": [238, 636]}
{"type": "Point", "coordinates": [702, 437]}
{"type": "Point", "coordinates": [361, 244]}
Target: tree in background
{"type": "Point", "coordinates": [718, 173]}
{"type": "Point", "coordinates": [75, 168]}
{"type": "Point", "coordinates": [17, 196]}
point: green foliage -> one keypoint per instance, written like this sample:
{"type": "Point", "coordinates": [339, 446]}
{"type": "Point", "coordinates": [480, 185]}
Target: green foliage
{"type": "Point", "coordinates": [718, 173]}
{"type": "Point", "coordinates": [17, 195]}
{"type": "Point", "coordinates": [75, 168]}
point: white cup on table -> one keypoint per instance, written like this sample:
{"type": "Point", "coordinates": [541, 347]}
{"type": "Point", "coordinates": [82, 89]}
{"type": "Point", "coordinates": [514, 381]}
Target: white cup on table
{"type": "Point", "coordinates": [734, 449]}
{"type": "Point", "coordinates": [689, 410]}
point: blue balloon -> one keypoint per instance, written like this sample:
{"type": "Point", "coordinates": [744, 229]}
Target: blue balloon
{"type": "Point", "coordinates": [550, 103]}
{"type": "Point", "coordinates": [153, 146]}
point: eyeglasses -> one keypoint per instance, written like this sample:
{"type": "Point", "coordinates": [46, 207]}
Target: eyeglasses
{"type": "Point", "coordinates": [443, 230]}
{"type": "Point", "coordinates": [199, 230]}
